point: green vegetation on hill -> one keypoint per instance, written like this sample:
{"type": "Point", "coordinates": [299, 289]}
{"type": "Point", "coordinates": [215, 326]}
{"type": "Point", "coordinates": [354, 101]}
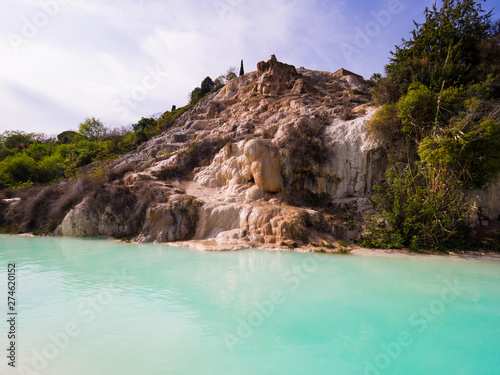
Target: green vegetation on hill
{"type": "Point", "coordinates": [440, 99]}
{"type": "Point", "coordinates": [30, 158]}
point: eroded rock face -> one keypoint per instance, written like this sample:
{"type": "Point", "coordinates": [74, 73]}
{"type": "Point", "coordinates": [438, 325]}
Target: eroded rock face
{"type": "Point", "coordinates": [353, 165]}
{"type": "Point", "coordinates": [275, 77]}
{"type": "Point", "coordinates": [86, 221]}
{"type": "Point", "coordinates": [264, 166]}
{"type": "Point", "coordinates": [488, 201]}
{"type": "Point", "coordinates": [259, 224]}
{"type": "Point", "coordinates": [272, 119]}
{"type": "Point", "coordinates": [172, 221]}
{"type": "Point", "coordinates": [237, 164]}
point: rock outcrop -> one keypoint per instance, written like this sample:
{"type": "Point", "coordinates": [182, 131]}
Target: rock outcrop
{"type": "Point", "coordinates": [278, 157]}
{"type": "Point", "coordinates": [283, 161]}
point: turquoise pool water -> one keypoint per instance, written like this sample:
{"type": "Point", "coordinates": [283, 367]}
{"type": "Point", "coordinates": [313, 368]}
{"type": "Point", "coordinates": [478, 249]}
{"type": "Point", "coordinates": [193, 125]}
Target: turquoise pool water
{"type": "Point", "coordinates": [102, 307]}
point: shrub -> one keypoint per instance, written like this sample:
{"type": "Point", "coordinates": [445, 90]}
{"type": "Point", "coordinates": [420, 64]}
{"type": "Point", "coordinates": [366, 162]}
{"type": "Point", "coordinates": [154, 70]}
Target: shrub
{"type": "Point", "coordinates": [50, 168]}
{"type": "Point", "coordinates": [38, 210]}
{"type": "Point", "coordinates": [17, 139]}
{"type": "Point", "coordinates": [68, 136]}
{"type": "Point", "coordinates": [303, 146]}
{"type": "Point", "coordinates": [385, 125]}
{"type": "Point", "coordinates": [17, 169]}
{"type": "Point", "coordinates": [388, 89]}
{"type": "Point", "coordinates": [143, 124]}
{"type": "Point", "coordinates": [346, 113]}
{"type": "Point", "coordinates": [417, 110]}
{"type": "Point", "coordinates": [92, 129]}
{"type": "Point", "coordinates": [167, 120]}
{"type": "Point", "coordinates": [470, 148]}
{"type": "Point", "coordinates": [417, 208]}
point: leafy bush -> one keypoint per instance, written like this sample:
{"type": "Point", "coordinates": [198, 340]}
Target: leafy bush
{"type": "Point", "coordinates": [143, 124]}
{"type": "Point", "coordinates": [68, 136]}
{"type": "Point", "coordinates": [304, 138]}
{"type": "Point", "coordinates": [417, 110]}
{"type": "Point", "coordinates": [17, 169]}
{"type": "Point", "coordinates": [92, 129]}
{"type": "Point", "coordinates": [447, 47]}
{"type": "Point", "coordinates": [444, 82]}
{"type": "Point", "coordinates": [385, 124]}
{"type": "Point", "coordinates": [17, 139]}
{"type": "Point", "coordinates": [168, 118]}
{"type": "Point", "coordinates": [417, 208]}
{"type": "Point", "coordinates": [470, 148]}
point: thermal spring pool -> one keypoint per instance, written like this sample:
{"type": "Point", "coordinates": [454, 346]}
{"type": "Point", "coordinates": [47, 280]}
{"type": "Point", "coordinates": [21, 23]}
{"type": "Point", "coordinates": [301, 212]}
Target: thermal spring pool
{"type": "Point", "coordinates": [81, 307]}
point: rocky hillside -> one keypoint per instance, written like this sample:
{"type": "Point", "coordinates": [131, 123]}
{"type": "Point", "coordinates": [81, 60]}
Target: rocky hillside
{"type": "Point", "coordinates": [278, 157]}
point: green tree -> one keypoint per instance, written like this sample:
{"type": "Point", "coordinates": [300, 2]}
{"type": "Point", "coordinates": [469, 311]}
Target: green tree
{"type": "Point", "coordinates": [445, 48]}
{"type": "Point", "coordinates": [207, 85]}
{"type": "Point", "coordinates": [92, 129]}
{"type": "Point", "coordinates": [195, 96]}
{"type": "Point", "coordinates": [68, 136]}
{"type": "Point", "coordinates": [143, 124]}
{"type": "Point", "coordinates": [18, 139]}
{"type": "Point", "coordinates": [442, 93]}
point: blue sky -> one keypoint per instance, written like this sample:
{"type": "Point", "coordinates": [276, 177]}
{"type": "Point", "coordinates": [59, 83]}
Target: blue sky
{"type": "Point", "coordinates": [119, 60]}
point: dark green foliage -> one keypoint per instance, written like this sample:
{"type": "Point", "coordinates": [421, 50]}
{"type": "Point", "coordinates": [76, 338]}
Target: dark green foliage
{"type": "Point", "coordinates": [470, 147]}
{"type": "Point", "coordinates": [445, 81]}
{"type": "Point", "coordinates": [43, 160]}
{"type": "Point", "coordinates": [17, 139]}
{"type": "Point", "coordinates": [17, 169]}
{"type": "Point", "coordinates": [418, 209]}
{"type": "Point", "coordinates": [389, 89]}
{"type": "Point", "coordinates": [375, 78]}
{"type": "Point", "coordinates": [195, 96]}
{"type": "Point", "coordinates": [242, 70]}
{"type": "Point", "coordinates": [446, 47]}
{"type": "Point", "coordinates": [168, 118]}
{"type": "Point", "coordinates": [417, 110]}
{"type": "Point", "coordinates": [207, 85]}
{"type": "Point", "coordinates": [68, 136]}
{"type": "Point", "coordinates": [441, 93]}
{"type": "Point", "coordinates": [143, 124]}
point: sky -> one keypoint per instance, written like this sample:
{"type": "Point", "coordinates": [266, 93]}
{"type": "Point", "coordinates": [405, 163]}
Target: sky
{"type": "Point", "coordinates": [62, 61]}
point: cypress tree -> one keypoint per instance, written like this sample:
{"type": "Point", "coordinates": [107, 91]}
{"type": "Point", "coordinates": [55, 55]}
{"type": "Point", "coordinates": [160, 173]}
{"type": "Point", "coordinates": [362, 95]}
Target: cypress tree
{"type": "Point", "coordinates": [242, 71]}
